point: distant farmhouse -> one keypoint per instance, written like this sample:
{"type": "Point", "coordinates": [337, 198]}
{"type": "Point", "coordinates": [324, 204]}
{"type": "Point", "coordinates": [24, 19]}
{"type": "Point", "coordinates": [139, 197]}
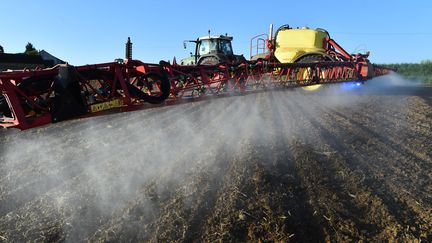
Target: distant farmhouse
{"type": "Point", "coordinates": [21, 61]}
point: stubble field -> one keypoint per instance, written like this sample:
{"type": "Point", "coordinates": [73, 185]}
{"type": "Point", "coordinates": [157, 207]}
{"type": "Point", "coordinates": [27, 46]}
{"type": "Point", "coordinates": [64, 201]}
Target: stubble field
{"type": "Point", "coordinates": [332, 165]}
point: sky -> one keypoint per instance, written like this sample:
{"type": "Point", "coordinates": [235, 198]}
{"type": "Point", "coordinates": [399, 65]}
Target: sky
{"type": "Point", "coordinates": [94, 31]}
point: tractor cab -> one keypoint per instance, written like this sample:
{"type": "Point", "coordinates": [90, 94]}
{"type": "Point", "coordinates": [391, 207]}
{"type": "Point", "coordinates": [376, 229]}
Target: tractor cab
{"type": "Point", "coordinates": [215, 44]}
{"type": "Point", "coordinates": [212, 50]}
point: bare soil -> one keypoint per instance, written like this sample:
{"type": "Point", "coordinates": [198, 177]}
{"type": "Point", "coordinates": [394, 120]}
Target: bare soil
{"type": "Point", "coordinates": [272, 166]}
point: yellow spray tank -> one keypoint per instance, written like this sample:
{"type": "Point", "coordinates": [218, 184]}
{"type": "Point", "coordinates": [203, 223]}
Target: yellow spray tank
{"type": "Point", "coordinates": [304, 45]}
{"type": "Point", "coordinates": [291, 45]}
{"type": "Point", "coordinates": [300, 45]}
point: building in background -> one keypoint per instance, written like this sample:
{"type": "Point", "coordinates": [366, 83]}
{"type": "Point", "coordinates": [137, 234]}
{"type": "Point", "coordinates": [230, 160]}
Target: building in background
{"type": "Point", "coordinates": [47, 56]}
{"type": "Point", "coordinates": [19, 61]}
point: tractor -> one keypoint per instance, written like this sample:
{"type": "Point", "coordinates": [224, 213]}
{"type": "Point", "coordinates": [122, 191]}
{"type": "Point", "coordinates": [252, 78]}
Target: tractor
{"type": "Point", "coordinates": [212, 50]}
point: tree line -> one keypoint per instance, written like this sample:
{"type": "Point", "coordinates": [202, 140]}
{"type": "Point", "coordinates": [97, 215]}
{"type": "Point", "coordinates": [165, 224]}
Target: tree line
{"type": "Point", "coordinates": [29, 49]}
{"type": "Point", "coordinates": [414, 71]}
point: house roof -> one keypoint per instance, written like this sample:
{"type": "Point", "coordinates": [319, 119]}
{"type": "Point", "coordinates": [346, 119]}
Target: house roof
{"type": "Point", "coordinates": [47, 56]}
{"type": "Point", "coordinates": [21, 58]}
{"type": "Point", "coordinates": [20, 61]}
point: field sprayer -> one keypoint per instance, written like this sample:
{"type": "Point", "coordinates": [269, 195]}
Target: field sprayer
{"type": "Point", "coordinates": [31, 98]}
{"type": "Point", "coordinates": [36, 97]}
{"type": "Point", "coordinates": [305, 45]}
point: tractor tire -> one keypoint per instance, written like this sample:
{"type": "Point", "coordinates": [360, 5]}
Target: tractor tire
{"type": "Point", "coordinates": [239, 59]}
{"type": "Point", "coordinates": [210, 60]}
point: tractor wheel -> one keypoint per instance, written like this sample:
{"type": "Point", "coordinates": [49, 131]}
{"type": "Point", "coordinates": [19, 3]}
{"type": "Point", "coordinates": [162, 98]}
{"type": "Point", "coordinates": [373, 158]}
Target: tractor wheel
{"type": "Point", "coordinates": [210, 60]}
{"type": "Point", "coordinates": [240, 59]}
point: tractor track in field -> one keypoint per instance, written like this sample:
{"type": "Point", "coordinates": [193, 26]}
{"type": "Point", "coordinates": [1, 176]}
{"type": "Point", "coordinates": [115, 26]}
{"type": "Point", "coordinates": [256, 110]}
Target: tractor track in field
{"type": "Point", "coordinates": [273, 166]}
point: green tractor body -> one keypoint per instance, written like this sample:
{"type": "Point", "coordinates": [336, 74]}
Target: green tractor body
{"type": "Point", "coordinates": [212, 50]}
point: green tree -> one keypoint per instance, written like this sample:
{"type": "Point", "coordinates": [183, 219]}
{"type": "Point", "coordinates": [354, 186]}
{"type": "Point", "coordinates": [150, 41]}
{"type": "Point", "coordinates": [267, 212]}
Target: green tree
{"type": "Point", "coordinates": [415, 71]}
{"type": "Point", "coordinates": [30, 50]}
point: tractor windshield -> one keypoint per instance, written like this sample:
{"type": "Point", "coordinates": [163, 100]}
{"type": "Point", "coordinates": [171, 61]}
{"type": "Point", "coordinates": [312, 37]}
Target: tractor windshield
{"type": "Point", "coordinates": [215, 45]}
{"type": "Point", "coordinates": [207, 46]}
{"type": "Point", "coordinates": [225, 46]}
